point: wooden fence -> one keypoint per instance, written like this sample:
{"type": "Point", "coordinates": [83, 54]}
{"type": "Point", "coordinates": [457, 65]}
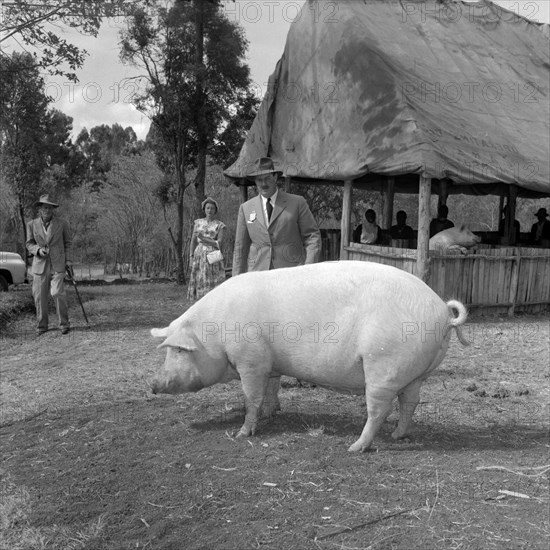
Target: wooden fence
{"type": "Point", "coordinates": [491, 279]}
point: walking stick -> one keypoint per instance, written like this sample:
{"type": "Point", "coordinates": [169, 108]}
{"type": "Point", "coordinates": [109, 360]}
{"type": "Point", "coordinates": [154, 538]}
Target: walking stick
{"type": "Point", "coordinates": [69, 271]}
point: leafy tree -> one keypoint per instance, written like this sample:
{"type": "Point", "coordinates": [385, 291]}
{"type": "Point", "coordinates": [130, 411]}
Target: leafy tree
{"type": "Point", "coordinates": [128, 217]}
{"type": "Point", "coordinates": [9, 218]}
{"type": "Point", "coordinates": [36, 150]}
{"type": "Point", "coordinates": [58, 145]}
{"type": "Point", "coordinates": [37, 23]}
{"type": "Point", "coordinates": [23, 123]}
{"type": "Point", "coordinates": [194, 58]}
{"type": "Point", "coordinates": [98, 149]}
{"type": "Point", "coordinates": [229, 140]}
{"type": "Point", "coordinates": [82, 212]}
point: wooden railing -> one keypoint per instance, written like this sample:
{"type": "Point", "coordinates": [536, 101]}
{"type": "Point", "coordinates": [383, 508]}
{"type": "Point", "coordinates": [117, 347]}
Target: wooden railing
{"type": "Point", "coordinates": [490, 279]}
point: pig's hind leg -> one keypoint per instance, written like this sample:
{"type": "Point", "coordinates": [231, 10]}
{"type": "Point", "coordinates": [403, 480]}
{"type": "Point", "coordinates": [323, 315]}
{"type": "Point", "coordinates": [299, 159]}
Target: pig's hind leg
{"type": "Point", "coordinates": [409, 398]}
{"type": "Point", "coordinates": [379, 404]}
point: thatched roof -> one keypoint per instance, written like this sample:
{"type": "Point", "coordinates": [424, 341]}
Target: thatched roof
{"type": "Point", "coordinates": [445, 89]}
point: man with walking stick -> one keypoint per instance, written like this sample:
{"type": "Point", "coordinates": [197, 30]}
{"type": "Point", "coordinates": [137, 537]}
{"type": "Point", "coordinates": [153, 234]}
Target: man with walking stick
{"type": "Point", "coordinates": [71, 279]}
{"type": "Point", "coordinates": [49, 241]}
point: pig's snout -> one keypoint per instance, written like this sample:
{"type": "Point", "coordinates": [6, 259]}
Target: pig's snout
{"type": "Point", "coordinates": [175, 385]}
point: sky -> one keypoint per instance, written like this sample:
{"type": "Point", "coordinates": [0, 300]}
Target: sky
{"type": "Point", "coordinates": [103, 94]}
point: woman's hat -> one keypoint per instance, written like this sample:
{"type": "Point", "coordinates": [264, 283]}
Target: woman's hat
{"type": "Point", "coordinates": [209, 200]}
{"type": "Point", "coordinates": [45, 199]}
{"type": "Point", "coordinates": [542, 211]}
{"type": "Point", "coordinates": [264, 165]}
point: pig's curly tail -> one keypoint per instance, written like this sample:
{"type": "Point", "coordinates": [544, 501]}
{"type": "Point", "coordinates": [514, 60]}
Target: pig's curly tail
{"type": "Point", "coordinates": [456, 321]}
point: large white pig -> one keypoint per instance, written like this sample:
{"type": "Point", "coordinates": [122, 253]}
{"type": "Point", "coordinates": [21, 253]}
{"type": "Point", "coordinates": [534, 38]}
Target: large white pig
{"type": "Point", "coordinates": [454, 239]}
{"type": "Point", "coordinates": [349, 326]}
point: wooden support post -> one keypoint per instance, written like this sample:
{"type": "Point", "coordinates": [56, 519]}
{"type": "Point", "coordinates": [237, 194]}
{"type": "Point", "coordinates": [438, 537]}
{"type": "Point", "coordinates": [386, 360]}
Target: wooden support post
{"type": "Point", "coordinates": [388, 203]}
{"type": "Point", "coordinates": [500, 207]}
{"type": "Point", "coordinates": [443, 193]}
{"type": "Point", "coordinates": [514, 282]}
{"type": "Point", "coordinates": [422, 254]}
{"type": "Point", "coordinates": [243, 188]}
{"type": "Point", "coordinates": [510, 230]}
{"type": "Point", "coordinates": [502, 238]}
{"type": "Point", "coordinates": [345, 227]}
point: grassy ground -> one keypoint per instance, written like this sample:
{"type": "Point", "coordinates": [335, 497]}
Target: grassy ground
{"type": "Point", "coordinates": [13, 304]}
{"type": "Point", "coordinates": [92, 460]}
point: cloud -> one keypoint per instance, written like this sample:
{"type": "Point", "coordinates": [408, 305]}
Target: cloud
{"type": "Point", "coordinates": [106, 85]}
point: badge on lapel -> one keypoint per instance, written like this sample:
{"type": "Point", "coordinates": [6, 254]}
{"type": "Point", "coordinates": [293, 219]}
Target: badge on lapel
{"type": "Point", "coordinates": [252, 217]}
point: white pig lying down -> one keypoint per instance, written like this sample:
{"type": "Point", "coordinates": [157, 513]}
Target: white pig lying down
{"type": "Point", "coordinates": [349, 326]}
{"type": "Point", "coordinates": [454, 239]}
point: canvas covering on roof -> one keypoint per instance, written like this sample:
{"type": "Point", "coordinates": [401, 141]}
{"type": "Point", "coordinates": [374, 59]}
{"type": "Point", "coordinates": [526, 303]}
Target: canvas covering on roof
{"type": "Point", "coordinates": [443, 89]}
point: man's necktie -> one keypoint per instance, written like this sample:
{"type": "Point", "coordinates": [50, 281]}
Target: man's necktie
{"type": "Point", "coordinates": [269, 208]}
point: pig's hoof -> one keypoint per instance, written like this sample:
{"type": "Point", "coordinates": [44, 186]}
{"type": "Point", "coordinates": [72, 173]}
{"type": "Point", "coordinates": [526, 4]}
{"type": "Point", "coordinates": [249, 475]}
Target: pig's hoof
{"type": "Point", "coordinates": [400, 434]}
{"type": "Point", "coordinates": [357, 447]}
{"type": "Point", "coordinates": [268, 412]}
{"type": "Point", "coordinates": [246, 432]}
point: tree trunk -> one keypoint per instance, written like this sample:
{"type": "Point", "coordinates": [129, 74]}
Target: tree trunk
{"type": "Point", "coordinates": [179, 237]}
{"type": "Point", "coordinates": [180, 173]}
{"type": "Point", "coordinates": [21, 209]}
{"type": "Point", "coordinates": [202, 124]}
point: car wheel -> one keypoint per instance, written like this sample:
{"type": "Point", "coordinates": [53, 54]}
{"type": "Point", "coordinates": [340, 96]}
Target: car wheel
{"type": "Point", "coordinates": [3, 284]}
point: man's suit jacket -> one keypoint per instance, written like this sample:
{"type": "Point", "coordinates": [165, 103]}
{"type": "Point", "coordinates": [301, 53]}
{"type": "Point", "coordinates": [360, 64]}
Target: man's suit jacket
{"type": "Point", "coordinates": [545, 231]}
{"type": "Point", "coordinates": [291, 239]}
{"type": "Point", "coordinates": [59, 244]}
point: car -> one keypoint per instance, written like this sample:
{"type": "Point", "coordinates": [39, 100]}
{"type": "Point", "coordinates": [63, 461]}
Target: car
{"type": "Point", "coordinates": [12, 270]}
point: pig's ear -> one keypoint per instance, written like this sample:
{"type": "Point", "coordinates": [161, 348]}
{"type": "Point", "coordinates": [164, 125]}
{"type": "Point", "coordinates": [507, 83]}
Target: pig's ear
{"type": "Point", "coordinates": [180, 339]}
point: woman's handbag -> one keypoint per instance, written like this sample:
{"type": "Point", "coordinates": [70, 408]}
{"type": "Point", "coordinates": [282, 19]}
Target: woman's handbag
{"type": "Point", "coordinates": [214, 257]}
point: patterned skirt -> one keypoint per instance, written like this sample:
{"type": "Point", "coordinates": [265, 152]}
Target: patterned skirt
{"type": "Point", "coordinates": [204, 276]}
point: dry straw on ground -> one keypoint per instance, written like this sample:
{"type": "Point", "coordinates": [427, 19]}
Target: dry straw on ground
{"type": "Point", "coordinates": [92, 460]}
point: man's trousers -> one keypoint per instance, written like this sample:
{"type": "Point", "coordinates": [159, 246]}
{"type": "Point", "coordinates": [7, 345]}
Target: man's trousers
{"type": "Point", "coordinates": [41, 287]}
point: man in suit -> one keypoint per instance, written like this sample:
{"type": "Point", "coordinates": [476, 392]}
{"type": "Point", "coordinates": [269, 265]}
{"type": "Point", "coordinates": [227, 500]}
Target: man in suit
{"type": "Point", "coordinates": [502, 225]}
{"type": "Point", "coordinates": [274, 229]}
{"type": "Point", "coordinates": [540, 231]}
{"type": "Point", "coordinates": [49, 241]}
{"type": "Point", "coordinates": [441, 222]}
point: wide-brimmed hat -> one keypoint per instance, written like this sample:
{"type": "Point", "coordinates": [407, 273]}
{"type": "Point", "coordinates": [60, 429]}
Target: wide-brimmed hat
{"type": "Point", "coordinates": [45, 199]}
{"type": "Point", "coordinates": [264, 165]}
{"type": "Point", "coordinates": [542, 211]}
{"type": "Point", "coordinates": [211, 201]}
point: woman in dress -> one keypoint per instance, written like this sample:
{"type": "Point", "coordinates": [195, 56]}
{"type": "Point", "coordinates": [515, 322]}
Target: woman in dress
{"type": "Point", "coordinates": [207, 236]}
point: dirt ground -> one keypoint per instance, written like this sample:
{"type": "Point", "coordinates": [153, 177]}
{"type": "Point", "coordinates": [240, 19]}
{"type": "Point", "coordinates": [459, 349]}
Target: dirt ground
{"type": "Point", "coordinates": [92, 460]}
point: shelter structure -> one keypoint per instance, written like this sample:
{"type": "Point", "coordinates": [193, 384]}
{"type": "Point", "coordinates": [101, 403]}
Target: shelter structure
{"type": "Point", "coordinates": [413, 96]}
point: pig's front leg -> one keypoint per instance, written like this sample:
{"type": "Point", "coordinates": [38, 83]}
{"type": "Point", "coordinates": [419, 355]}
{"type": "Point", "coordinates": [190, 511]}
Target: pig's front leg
{"type": "Point", "coordinates": [271, 402]}
{"type": "Point", "coordinates": [254, 388]}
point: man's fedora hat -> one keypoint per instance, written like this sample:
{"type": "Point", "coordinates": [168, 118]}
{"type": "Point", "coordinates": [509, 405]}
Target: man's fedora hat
{"type": "Point", "coordinates": [543, 212]}
{"type": "Point", "coordinates": [264, 165]}
{"type": "Point", "coordinates": [45, 199]}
